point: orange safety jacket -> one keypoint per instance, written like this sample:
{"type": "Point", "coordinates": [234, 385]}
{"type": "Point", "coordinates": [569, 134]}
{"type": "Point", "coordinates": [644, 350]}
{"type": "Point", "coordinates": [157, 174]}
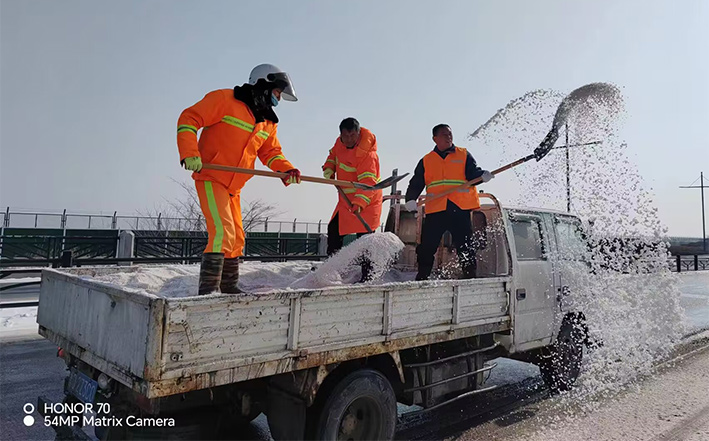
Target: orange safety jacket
{"type": "Point", "coordinates": [230, 136]}
{"type": "Point", "coordinates": [440, 174]}
{"type": "Point", "coordinates": [358, 164]}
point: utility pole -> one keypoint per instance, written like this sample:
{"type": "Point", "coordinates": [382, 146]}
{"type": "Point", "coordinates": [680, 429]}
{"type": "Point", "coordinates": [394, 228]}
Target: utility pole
{"type": "Point", "coordinates": [568, 172]}
{"type": "Point", "coordinates": [566, 147]}
{"type": "Point", "coordinates": [704, 227]}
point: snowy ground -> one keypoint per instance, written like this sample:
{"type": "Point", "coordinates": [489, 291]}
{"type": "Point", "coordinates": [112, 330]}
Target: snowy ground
{"type": "Point", "coordinates": [671, 404]}
{"type": "Point", "coordinates": [695, 298]}
{"type": "Point", "coordinates": [18, 320]}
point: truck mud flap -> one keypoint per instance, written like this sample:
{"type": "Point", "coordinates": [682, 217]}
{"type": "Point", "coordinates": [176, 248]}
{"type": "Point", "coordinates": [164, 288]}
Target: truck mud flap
{"type": "Point", "coordinates": [64, 432]}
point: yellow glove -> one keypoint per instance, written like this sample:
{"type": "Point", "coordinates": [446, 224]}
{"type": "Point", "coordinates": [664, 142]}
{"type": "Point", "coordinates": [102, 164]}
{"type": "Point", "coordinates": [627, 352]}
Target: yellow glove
{"type": "Point", "coordinates": [193, 164]}
{"type": "Point", "coordinates": [328, 173]}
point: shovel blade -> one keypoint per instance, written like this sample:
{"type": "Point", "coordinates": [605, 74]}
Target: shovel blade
{"type": "Point", "coordinates": [388, 182]}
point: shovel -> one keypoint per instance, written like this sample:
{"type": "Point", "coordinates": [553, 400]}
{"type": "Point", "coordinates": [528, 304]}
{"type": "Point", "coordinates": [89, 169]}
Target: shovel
{"type": "Point", "coordinates": [388, 182]}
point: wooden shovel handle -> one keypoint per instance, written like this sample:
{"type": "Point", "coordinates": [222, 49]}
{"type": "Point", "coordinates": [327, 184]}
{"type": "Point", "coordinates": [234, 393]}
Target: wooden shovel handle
{"type": "Point", "coordinates": [279, 175]}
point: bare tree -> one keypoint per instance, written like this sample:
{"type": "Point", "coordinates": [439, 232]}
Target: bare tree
{"type": "Point", "coordinates": [256, 213]}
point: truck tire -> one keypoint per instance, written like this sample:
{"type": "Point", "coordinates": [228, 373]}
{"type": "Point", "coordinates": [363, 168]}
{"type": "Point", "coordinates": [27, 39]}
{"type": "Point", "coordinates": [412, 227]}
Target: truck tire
{"type": "Point", "coordinates": [561, 364]}
{"type": "Point", "coordinates": [362, 406]}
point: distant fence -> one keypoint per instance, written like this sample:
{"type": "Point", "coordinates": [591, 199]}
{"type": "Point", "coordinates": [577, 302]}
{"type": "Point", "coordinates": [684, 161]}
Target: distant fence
{"type": "Point", "coordinates": [115, 221]}
{"type": "Point", "coordinates": [694, 262]}
{"type": "Point", "coordinates": [44, 246]}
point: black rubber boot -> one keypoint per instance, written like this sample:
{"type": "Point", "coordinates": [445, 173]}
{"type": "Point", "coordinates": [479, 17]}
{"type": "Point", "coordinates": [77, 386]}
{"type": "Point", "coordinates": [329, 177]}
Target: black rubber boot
{"type": "Point", "coordinates": [230, 276]}
{"type": "Point", "coordinates": [210, 273]}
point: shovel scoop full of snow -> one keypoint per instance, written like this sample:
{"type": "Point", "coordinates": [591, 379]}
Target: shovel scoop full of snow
{"type": "Point", "coordinates": [604, 93]}
{"type": "Point", "coordinates": [381, 249]}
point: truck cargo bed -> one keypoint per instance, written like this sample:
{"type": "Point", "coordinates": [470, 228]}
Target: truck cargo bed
{"type": "Point", "coordinates": [161, 346]}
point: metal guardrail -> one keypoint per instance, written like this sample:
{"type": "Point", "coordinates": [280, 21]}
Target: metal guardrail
{"type": "Point", "coordinates": [115, 221]}
{"type": "Point", "coordinates": [22, 246]}
{"type": "Point", "coordinates": [693, 262]}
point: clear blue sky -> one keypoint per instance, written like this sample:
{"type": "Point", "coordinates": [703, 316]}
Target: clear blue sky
{"type": "Point", "coordinates": [90, 91]}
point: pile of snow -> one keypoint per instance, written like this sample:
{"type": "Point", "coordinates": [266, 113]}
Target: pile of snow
{"type": "Point", "coordinates": [381, 249]}
{"type": "Point", "coordinates": [632, 301]}
{"type": "Point", "coordinates": [183, 280]}
{"type": "Point", "coordinates": [260, 277]}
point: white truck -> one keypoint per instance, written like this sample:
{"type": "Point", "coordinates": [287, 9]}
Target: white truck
{"type": "Point", "coordinates": [321, 364]}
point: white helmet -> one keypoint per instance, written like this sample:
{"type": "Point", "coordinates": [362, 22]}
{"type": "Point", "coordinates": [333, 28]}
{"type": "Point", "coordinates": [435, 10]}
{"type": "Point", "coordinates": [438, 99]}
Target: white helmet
{"type": "Point", "coordinates": [272, 74]}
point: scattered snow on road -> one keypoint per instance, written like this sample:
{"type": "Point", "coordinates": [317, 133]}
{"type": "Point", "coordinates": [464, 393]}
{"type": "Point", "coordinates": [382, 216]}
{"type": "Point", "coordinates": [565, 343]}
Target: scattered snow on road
{"type": "Point", "coordinates": [672, 404]}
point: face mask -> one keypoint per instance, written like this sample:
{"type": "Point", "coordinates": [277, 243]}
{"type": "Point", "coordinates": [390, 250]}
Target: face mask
{"type": "Point", "coordinates": [274, 100]}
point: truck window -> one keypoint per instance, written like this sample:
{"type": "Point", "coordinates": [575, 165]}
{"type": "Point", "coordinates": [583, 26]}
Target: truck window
{"type": "Point", "coordinates": [570, 240]}
{"type": "Point", "coordinates": [528, 239]}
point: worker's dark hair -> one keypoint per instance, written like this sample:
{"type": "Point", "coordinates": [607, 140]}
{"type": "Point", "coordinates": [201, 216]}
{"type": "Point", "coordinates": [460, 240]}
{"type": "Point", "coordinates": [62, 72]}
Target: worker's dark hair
{"type": "Point", "coordinates": [349, 124]}
{"type": "Point", "coordinates": [439, 127]}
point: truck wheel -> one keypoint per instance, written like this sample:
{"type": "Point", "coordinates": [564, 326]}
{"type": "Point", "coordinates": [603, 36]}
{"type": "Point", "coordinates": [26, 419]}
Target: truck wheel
{"type": "Point", "coordinates": [362, 406]}
{"type": "Point", "coordinates": [561, 365]}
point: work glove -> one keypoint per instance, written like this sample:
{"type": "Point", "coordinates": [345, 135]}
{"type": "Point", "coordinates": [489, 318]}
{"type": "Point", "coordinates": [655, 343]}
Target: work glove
{"type": "Point", "coordinates": [328, 173]}
{"type": "Point", "coordinates": [193, 163]}
{"type": "Point", "coordinates": [487, 176]}
{"type": "Point", "coordinates": [292, 178]}
{"type": "Point", "coordinates": [411, 205]}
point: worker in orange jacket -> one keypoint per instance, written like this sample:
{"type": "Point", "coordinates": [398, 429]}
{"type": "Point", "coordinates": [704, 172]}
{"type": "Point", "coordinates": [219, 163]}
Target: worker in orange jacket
{"type": "Point", "coordinates": [238, 125]}
{"type": "Point", "coordinates": [444, 167]}
{"type": "Point", "coordinates": [354, 158]}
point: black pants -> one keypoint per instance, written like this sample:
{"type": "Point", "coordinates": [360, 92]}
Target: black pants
{"type": "Point", "coordinates": [335, 242]}
{"type": "Point", "coordinates": [456, 221]}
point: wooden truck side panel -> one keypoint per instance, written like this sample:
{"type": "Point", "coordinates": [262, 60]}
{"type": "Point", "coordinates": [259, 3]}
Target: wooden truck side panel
{"type": "Point", "coordinates": [113, 324]}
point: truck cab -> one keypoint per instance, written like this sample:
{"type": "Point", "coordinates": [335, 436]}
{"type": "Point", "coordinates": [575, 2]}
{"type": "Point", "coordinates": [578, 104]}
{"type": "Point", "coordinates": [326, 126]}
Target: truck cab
{"type": "Point", "coordinates": [542, 250]}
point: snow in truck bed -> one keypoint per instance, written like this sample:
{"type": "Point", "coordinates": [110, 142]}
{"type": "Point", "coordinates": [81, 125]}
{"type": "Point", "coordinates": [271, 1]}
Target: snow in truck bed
{"type": "Point", "coordinates": [261, 277]}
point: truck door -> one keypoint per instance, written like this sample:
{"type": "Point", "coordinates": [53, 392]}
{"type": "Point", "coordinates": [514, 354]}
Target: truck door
{"type": "Point", "coordinates": [573, 260]}
{"type": "Point", "coordinates": [534, 296]}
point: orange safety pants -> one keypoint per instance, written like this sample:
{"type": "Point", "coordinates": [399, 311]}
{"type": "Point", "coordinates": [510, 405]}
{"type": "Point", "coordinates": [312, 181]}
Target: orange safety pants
{"type": "Point", "coordinates": [223, 214]}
